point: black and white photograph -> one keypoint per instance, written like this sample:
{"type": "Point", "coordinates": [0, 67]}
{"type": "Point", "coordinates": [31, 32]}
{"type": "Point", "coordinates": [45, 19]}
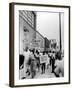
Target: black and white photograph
{"type": "Point", "coordinates": [39, 44]}
{"type": "Point", "coordinates": [41, 50]}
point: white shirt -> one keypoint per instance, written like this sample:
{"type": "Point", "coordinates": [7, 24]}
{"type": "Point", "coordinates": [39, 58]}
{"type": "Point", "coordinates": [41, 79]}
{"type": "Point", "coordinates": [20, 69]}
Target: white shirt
{"type": "Point", "coordinates": [59, 67]}
{"type": "Point", "coordinates": [26, 55]}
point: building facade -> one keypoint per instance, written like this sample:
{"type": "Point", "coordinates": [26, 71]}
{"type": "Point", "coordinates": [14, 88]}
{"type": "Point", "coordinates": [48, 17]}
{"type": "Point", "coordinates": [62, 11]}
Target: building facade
{"type": "Point", "coordinates": [27, 28]}
{"type": "Point", "coordinates": [53, 44]}
{"type": "Point", "coordinates": [29, 37]}
{"type": "Point", "coordinates": [40, 42]}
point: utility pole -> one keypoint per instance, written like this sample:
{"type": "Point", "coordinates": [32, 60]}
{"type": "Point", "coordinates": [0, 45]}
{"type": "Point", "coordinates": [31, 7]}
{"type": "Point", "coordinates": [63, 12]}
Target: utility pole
{"type": "Point", "coordinates": [60, 30]}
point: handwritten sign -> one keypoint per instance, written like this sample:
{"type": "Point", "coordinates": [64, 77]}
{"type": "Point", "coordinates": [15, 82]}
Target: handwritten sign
{"type": "Point", "coordinates": [43, 59]}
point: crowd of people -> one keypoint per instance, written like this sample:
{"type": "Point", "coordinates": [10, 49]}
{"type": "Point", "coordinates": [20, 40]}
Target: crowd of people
{"type": "Point", "coordinates": [36, 61]}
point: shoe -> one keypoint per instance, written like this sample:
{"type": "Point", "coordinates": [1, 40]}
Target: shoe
{"type": "Point", "coordinates": [23, 77]}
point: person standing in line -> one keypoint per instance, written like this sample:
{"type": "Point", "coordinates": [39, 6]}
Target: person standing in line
{"type": "Point", "coordinates": [26, 54]}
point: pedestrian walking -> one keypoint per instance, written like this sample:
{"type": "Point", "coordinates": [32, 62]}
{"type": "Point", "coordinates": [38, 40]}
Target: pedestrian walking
{"type": "Point", "coordinates": [50, 57]}
{"type": "Point", "coordinates": [32, 64]}
{"type": "Point", "coordinates": [48, 60]}
{"type": "Point", "coordinates": [26, 54]}
{"type": "Point", "coordinates": [53, 61]}
{"type": "Point", "coordinates": [37, 57]}
{"type": "Point", "coordinates": [43, 62]}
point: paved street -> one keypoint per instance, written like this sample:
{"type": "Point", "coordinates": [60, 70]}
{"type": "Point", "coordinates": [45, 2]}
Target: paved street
{"type": "Point", "coordinates": [39, 75]}
{"type": "Point", "coordinates": [47, 74]}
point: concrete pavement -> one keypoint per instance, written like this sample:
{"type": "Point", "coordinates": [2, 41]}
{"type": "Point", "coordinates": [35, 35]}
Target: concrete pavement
{"type": "Point", "coordinates": [39, 75]}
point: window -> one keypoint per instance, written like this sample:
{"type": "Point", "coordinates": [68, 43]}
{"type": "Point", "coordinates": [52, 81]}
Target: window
{"type": "Point", "coordinates": [28, 16]}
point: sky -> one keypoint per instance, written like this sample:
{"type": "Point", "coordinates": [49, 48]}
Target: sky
{"type": "Point", "coordinates": [48, 25]}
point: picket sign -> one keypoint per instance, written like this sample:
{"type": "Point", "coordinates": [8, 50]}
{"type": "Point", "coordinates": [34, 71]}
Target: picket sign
{"type": "Point", "coordinates": [43, 59]}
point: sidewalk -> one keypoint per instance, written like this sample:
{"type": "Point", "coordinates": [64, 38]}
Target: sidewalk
{"type": "Point", "coordinates": [47, 74]}
{"type": "Point", "coordinates": [38, 75]}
